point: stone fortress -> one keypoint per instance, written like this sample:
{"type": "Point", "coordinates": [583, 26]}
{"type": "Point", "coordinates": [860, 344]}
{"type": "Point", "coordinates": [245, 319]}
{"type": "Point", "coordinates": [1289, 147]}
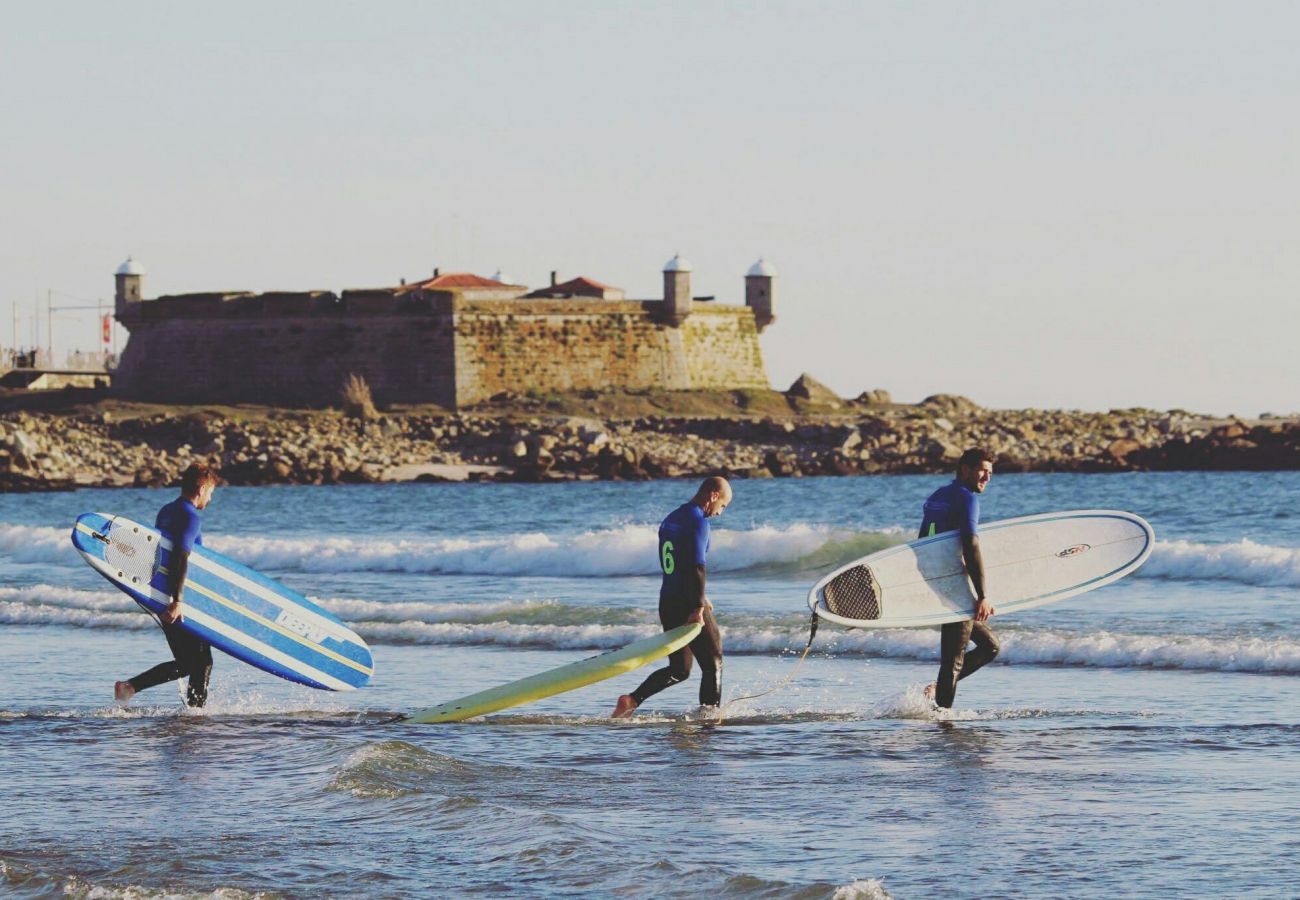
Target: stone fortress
{"type": "Point", "coordinates": [454, 340]}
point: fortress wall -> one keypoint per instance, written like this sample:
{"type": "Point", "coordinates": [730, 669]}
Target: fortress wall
{"type": "Point", "coordinates": [721, 349]}
{"type": "Point", "coordinates": [287, 360]}
{"type": "Point", "coordinates": [564, 345]}
{"type": "Point", "coordinates": [449, 351]}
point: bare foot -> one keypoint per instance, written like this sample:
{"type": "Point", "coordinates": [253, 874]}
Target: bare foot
{"type": "Point", "coordinates": [624, 708]}
{"type": "Point", "coordinates": [929, 690]}
{"type": "Point", "coordinates": [123, 692]}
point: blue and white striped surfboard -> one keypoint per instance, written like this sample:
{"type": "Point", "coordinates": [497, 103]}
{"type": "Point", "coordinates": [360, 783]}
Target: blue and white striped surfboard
{"type": "Point", "coordinates": [234, 608]}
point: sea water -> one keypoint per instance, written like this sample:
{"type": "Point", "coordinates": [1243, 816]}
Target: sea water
{"type": "Point", "coordinates": [1140, 740]}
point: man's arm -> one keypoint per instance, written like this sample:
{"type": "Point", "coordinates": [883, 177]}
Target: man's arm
{"type": "Point", "coordinates": [701, 601]}
{"type": "Point", "coordinates": [970, 551]}
{"type": "Point", "coordinates": [178, 566]}
{"type": "Point", "coordinates": [701, 577]}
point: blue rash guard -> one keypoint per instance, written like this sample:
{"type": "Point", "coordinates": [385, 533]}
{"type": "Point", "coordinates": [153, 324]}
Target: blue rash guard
{"type": "Point", "coordinates": [954, 507]}
{"type": "Point", "coordinates": [179, 522]}
{"type": "Point", "coordinates": [683, 548]}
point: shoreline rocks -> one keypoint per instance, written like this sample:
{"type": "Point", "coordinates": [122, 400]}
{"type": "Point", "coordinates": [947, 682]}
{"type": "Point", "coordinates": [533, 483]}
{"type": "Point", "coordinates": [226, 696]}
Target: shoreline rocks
{"type": "Point", "coordinates": [60, 451]}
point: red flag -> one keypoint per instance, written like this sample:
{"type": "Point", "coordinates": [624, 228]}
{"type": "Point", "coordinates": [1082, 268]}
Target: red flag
{"type": "Point", "coordinates": [108, 329]}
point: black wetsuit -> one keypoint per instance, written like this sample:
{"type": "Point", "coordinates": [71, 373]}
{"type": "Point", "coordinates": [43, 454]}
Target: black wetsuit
{"type": "Point", "coordinates": [192, 656]}
{"type": "Point", "coordinates": [193, 660]}
{"type": "Point", "coordinates": [955, 507]}
{"type": "Point", "coordinates": [683, 545]}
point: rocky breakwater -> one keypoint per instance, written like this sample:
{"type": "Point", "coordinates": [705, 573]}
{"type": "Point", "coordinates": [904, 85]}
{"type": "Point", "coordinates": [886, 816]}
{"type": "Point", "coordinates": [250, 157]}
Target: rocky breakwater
{"type": "Point", "coordinates": [864, 436]}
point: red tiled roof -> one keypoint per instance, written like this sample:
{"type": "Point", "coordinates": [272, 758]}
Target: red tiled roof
{"type": "Point", "coordinates": [581, 281]}
{"type": "Point", "coordinates": [458, 280]}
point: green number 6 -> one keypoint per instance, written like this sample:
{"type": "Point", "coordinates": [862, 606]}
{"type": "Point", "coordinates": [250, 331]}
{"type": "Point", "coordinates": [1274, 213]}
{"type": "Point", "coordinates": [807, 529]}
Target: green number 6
{"type": "Point", "coordinates": [668, 561]}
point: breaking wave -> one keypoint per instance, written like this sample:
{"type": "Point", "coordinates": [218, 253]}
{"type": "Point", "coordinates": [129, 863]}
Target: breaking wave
{"type": "Point", "coordinates": [1245, 562]}
{"type": "Point", "coordinates": [629, 550]}
{"type": "Point", "coordinates": [552, 625]}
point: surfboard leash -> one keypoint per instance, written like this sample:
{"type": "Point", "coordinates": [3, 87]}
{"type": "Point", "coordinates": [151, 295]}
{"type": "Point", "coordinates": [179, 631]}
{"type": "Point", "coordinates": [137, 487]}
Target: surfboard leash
{"type": "Point", "coordinates": [812, 633]}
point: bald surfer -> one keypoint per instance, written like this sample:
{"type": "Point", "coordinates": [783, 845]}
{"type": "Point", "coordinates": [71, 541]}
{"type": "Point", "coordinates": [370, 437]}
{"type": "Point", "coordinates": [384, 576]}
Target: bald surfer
{"type": "Point", "coordinates": [180, 523]}
{"type": "Point", "coordinates": [956, 507]}
{"type": "Point", "coordinates": [683, 548]}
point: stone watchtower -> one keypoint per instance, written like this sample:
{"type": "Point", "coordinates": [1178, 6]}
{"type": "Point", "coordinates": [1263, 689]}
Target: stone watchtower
{"type": "Point", "coordinates": [760, 292]}
{"type": "Point", "coordinates": [130, 281]}
{"type": "Point", "coordinates": [677, 290]}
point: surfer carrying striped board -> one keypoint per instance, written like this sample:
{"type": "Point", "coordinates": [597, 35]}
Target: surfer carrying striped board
{"type": "Point", "coordinates": [180, 523]}
{"type": "Point", "coordinates": [683, 547]}
{"type": "Point", "coordinates": [956, 507]}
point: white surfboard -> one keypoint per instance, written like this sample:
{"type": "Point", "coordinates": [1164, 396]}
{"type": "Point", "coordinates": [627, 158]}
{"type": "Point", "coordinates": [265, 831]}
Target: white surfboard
{"type": "Point", "coordinates": [1028, 562]}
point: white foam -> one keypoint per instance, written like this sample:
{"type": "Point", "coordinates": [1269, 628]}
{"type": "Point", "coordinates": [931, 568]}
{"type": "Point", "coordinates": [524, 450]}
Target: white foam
{"type": "Point", "coordinates": [627, 550]}
{"type": "Point", "coordinates": [43, 604]}
{"type": "Point", "coordinates": [1245, 562]}
{"type": "Point", "coordinates": [35, 543]}
{"type": "Point", "coordinates": [548, 624]}
{"type": "Point", "coordinates": [868, 889]}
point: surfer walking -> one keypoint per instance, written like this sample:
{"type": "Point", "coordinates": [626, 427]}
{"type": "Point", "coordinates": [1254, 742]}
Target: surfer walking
{"type": "Point", "coordinates": [956, 507]}
{"type": "Point", "coordinates": [180, 523]}
{"type": "Point", "coordinates": [683, 548]}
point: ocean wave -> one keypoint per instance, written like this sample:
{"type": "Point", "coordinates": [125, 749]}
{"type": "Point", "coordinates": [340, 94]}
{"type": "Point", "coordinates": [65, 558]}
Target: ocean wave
{"type": "Point", "coordinates": [551, 625]}
{"type": "Point", "coordinates": [30, 881]}
{"type": "Point", "coordinates": [43, 604]}
{"type": "Point", "coordinates": [1245, 562]}
{"type": "Point", "coordinates": [628, 550]}
{"type": "Point", "coordinates": [623, 551]}
{"type": "Point", "coordinates": [36, 543]}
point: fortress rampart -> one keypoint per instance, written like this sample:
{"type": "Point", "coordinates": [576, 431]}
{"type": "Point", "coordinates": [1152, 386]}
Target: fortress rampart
{"type": "Point", "coordinates": [452, 343]}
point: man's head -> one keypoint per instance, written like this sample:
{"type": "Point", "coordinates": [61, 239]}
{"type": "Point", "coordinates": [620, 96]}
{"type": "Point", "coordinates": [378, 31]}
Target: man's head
{"type": "Point", "coordinates": [713, 496]}
{"type": "Point", "coordinates": [197, 484]}
{"type": "Point", "coordinates": [975, 468]}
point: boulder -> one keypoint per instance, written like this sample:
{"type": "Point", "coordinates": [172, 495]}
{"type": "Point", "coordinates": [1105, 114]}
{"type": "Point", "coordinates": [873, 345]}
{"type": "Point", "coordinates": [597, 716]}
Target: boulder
{"type": "Point", "coordinates": [806, 387]}
{"type": "Point", "coordinates": [874, 398]}
{"type": "Point", "coordinates": [952, 404]}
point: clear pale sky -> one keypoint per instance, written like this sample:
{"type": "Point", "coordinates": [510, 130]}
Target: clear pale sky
{"type": "Point", "coordinates": [1084, 205]}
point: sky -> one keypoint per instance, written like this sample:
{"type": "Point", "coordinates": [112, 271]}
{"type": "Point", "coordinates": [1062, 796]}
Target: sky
{"type": "Point", "coordinates": [1069, 205]}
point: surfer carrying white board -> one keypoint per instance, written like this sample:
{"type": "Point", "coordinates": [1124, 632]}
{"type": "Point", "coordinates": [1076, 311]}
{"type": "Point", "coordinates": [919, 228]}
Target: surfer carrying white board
{"type": "Point", "coordinates": [956, 507]}
{"type": "Point", "coordinates": [180, 523]}
{"type": "Point", "coordinates": [683, 548]}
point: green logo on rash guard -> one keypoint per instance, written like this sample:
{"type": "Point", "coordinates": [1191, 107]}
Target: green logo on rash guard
{"type": "Point", "coordinates": [667, 556]}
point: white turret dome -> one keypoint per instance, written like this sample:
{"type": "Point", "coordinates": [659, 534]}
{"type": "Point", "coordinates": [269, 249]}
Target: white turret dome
{"type": "Point", "coordinates": [502, 277]}
{"type": "Point", "coordinates": [762, 267]}
{"type": "Point", "coordinates": [130, 267]}
{"type": "Point", "coordinates": [677, 264]}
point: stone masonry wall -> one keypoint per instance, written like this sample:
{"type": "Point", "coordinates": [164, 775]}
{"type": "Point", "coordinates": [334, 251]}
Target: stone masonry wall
{"type": "Point", "coordinates": [453, 353]}
{"type": "Point", "coordinates": [575, 345]}
{"type": "Point", "coordinates": [291, 361]}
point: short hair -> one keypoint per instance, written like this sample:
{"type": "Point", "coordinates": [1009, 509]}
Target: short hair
{"type": "Point", "coordinates": [974, 457]}
{"type": "Point", "coordinates": [195, 477]}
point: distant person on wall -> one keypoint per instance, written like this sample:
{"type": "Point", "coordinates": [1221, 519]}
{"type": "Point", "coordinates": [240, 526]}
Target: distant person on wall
{"type": "Point", "coordinates": [683, 547]}
{"type": "Point", "coordinates": [956, 507]}
{"type": "Point", "coordinates": [179, 522]}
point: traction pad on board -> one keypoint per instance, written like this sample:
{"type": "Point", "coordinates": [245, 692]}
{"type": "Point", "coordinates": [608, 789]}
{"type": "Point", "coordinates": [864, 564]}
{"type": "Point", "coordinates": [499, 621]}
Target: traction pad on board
{"type": "Point", "coordinates": [854, 594]}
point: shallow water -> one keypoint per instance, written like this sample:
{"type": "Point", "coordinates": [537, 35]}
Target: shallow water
{"type": "Point", "coordinates": [1140, 740]}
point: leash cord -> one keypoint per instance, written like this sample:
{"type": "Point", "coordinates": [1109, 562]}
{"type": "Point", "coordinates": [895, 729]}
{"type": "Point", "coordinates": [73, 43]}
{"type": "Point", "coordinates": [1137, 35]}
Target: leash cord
{"type": "Point", "coordinates": [812, 633]}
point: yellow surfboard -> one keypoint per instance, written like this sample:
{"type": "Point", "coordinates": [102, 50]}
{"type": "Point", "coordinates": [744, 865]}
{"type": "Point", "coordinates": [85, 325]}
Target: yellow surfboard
{"type": "Point", "coordinates": [559, 680]}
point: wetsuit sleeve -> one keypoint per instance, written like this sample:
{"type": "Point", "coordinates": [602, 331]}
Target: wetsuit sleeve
{"type": "Point", "coordinates": [974, 559]}
{"type": "Point", "coordinates": [701, 554]}
{"type": "Point", "coordinates": [188, 536]}
{"type": "Point", "coordinates": [183, 543]}
{"type": "Point", "coordinates": [970, 518]}
{"type": "Point", "coordinates": [178, 567]}
{"type": "Point", "coordinates": [970, 544]}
